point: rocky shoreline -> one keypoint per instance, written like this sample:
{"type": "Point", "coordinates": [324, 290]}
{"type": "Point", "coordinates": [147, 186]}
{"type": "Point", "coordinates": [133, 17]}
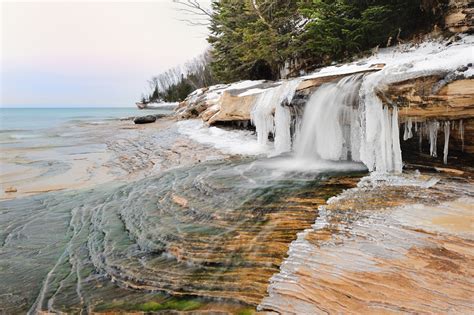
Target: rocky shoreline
{"type": "Point", "coordinates": [121, 151]}
{"type": "Point", "coordinates": [392, 244]}
{"type": "Point", "coordinates": [409, 251]}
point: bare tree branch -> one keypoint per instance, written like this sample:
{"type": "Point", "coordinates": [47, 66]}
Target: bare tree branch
{"type": "Point", "coordinates": [193, 7]}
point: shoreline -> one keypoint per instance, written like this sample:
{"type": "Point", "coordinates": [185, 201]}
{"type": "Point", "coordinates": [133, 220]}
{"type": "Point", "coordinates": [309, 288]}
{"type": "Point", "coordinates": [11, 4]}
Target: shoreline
{"type": "Point", "coordinates": [342, 231]}
{"type": "Point", "coordinates": [114, 150]}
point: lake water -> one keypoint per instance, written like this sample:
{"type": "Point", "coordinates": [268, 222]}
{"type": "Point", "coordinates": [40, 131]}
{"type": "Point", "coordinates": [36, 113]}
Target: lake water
{"type": "Point", "coordinates": [25, 120]}
{"type": "Point", "coordinates": [204, 236]}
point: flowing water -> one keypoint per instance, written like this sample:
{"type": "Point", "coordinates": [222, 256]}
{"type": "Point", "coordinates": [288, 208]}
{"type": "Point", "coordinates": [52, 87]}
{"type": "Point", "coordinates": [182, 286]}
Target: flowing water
{"type": "Point", "coordinates": [330, 129]}
{"type": "Point", "coordinates": [207, 236]}
{"type": "Point", "coordinates": [216, 231]}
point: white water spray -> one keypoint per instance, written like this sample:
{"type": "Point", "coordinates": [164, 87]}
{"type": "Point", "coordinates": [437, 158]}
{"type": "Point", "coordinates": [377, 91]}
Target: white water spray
{"type": "Point", "coordinates": [330, 123]}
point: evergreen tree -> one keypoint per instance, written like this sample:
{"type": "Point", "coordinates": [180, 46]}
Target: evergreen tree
{"type": "Point", "coordinates": [249, 33]}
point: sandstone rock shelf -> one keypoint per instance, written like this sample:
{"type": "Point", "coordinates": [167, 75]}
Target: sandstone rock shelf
{"type": "Point", "coordinates": [405, 253]}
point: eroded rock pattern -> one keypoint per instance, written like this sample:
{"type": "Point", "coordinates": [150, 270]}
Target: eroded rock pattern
{"type": "Point", "coordinates": [410, 251]}
{"type": "Point", "coordinates": [216, 231]}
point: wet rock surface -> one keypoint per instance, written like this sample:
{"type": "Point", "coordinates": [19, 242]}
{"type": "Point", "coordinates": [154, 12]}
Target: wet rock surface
{"type": "Point", "coordinates": [147, 119]}
{"type": "Point", "coordinates": [387, 247]}
{"type": "Point", "coordinates": [214, 231]}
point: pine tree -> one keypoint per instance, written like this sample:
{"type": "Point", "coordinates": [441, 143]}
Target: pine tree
{"type": "Point", "coordinates": [246, 34]}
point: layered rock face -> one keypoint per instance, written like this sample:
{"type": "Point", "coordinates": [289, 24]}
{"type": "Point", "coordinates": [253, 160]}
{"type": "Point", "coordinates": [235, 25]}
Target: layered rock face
{"type": "Point", "coordinates": [460, 16]}
{"type": "Point", "coordinates": [403, 253]}
{"type": "Point", "coordinates": [436, 106]}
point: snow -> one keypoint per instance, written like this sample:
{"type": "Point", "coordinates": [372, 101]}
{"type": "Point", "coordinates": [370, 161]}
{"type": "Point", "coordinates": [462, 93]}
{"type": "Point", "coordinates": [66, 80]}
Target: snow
{"type": "Point", "coordinates": [408, 60]}
{"type": "Point", "coordinates": [241, 85]}
{"type": "Point", "coordinates": [228, 141]}
{"type": "Point", "coordinates": [331, 129]}
{"type": "Point", "coordinates": [469, 73]}
{"type": "Point", "coordinates": [346, 69]}
{"type": "Point", "coordinates": [163, 105]}
{"type": "Point", "coordinates": [252, 92]}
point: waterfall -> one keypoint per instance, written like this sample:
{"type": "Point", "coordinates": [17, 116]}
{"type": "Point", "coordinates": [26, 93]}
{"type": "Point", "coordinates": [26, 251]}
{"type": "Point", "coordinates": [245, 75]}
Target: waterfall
{"type": "Point", "coordinates": [342, 120]}
{"type": "Point", "coordinates": [330, 122]}
{"type": "Point", "coordinates": [346, 120]}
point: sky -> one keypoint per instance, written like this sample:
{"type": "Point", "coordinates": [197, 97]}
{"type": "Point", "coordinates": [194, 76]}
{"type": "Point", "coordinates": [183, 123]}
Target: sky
{"type": "Point", "coordinates": [90, 53]}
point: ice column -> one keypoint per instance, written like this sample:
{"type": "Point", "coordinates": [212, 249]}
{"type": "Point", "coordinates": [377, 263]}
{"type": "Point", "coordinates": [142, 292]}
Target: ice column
{"type": "Point", "coordinates": [446, 141]}
{"type": "Point", "coordinates": [380, 144]}
{"type": "Point", "coordinates": [433, 127]}
{"type": "Point", "coordinates": [270, 115]}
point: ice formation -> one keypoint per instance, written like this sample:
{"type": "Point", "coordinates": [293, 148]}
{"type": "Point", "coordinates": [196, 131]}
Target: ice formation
{"type": "Point", "coordinates": [408, 134]}
{"type": "Point", "coordinates": [433, 127]}
{"type": "Point", "coordinates": [380, 146]}
{"type": "Point", "coordinates": [346, 120]}
{"type": "Point", "coordinates": [282, 129]}
{"type": "Point", "coordinates": [430, 129]}
{"type": "Point", "coordinates": [271, 115]}
{"type": "Point", "coordinates": [446, 141]}
{"type": "Point", "coordinates": [227, 141]}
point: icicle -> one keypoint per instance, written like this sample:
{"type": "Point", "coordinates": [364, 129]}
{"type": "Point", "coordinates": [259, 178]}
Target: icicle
{"type": "Point", "coordinates": [446, 141]}
{"type": "Point", "coordinates": [433, 135]}
{"type": "Point", "coordinates": [461, 133]}
{"type": "Point", "coordinates": [262, 113]}
{"type": "Point", "coordinates": [396, 150]}
{"type": "Point", "coordinates": [386, 163]}
{"type": "Point", "coordinates": [408, 134]}
{"type": "Point", "coordinates": [405, 132]}
{"type": "Point", "coordinates": [420, 140]}
{"type": "Point", "coordinates": [416, 126]}
{"type": "Point", "coordinates": [378, 150]}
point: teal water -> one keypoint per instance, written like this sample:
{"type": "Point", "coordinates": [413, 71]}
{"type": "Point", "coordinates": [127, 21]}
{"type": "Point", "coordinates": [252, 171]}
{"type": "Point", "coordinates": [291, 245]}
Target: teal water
{"type": "Point", "coordinates": [39, 127]}
{"type": "Point", "coordinates": [41, 118]}
{"type": "Point", "coordinates": [188, 238]}
{"type": "Point", "coordinates": [120, 246]}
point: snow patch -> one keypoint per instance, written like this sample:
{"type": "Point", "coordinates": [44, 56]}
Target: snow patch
{"type": "Point", "coordinates": [228, 141]}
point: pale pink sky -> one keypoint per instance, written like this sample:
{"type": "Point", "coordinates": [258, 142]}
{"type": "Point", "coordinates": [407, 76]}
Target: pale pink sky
{"type": "Point", "coordinates": [65, 53]}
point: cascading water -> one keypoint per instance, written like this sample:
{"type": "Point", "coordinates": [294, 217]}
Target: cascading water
{"type": "Point", "coordinates": [343, 120]}
{"type": "Point", "coordinates": [330, 122]}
